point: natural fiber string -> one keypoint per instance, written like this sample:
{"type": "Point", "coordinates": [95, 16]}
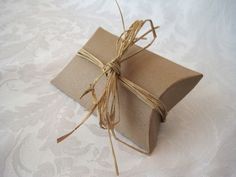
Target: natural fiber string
{"type": "Point", "coordinates": [106, 104]}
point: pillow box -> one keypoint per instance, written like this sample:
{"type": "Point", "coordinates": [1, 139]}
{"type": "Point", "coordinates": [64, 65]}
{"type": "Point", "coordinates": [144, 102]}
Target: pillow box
{"type": "Point", "coordinates": [166, 80]}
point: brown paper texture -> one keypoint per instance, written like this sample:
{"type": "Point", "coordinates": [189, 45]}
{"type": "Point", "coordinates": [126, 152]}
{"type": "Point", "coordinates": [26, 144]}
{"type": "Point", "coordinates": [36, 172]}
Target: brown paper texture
{"type": "Point", "coordinates": [165, 79]}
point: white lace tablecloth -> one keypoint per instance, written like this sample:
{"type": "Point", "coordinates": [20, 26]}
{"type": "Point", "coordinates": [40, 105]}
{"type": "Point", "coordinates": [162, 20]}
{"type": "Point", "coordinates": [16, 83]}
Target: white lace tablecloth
{"type": "Point", "coordinates": [38, 38]}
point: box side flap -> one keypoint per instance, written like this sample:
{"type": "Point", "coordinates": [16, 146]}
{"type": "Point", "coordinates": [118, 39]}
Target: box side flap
{"type": "Point", "coordinates": [178, 90]}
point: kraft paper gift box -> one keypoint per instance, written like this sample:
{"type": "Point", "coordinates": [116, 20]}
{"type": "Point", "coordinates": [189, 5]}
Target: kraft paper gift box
{"type": "Point", "coordinates": [166, 80]}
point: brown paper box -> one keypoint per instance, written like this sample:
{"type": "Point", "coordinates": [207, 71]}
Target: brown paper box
{"type": "Point", "coordinates": [166, 80]}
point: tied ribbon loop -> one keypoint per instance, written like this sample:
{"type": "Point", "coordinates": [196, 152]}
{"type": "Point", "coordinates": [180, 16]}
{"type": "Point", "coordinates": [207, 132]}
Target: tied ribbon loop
{"type": "Point", "coordinates": [109, 100]}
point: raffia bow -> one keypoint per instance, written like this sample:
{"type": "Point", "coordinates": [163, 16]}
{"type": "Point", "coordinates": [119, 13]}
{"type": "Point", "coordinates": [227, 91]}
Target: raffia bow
{"type": "Point", "coordinates": [106, 104]}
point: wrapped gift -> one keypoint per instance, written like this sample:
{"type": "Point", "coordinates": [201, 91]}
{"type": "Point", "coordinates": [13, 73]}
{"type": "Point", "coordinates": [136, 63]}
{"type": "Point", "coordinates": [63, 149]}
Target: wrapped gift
{"type": "Point", "coordinates": [149, 74]}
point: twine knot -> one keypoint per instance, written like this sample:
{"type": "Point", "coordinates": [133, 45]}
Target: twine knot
{"type": "Point", "coordinates": [113, 66]}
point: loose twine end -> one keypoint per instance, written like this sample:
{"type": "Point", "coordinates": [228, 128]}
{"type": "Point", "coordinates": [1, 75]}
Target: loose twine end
{"type": "Point", "coordinates": [63, 137]}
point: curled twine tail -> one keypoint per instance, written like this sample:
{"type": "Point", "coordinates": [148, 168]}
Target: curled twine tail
{"type": "Point", "coordinates": [60, 139]}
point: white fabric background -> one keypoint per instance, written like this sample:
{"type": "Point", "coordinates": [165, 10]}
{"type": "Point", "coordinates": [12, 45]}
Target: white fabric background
{"type": "Point", "coordinates": [38, 38]}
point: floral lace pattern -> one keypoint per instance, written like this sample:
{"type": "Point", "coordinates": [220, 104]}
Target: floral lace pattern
{"type": "Point", "coordinates": [38, 38]}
